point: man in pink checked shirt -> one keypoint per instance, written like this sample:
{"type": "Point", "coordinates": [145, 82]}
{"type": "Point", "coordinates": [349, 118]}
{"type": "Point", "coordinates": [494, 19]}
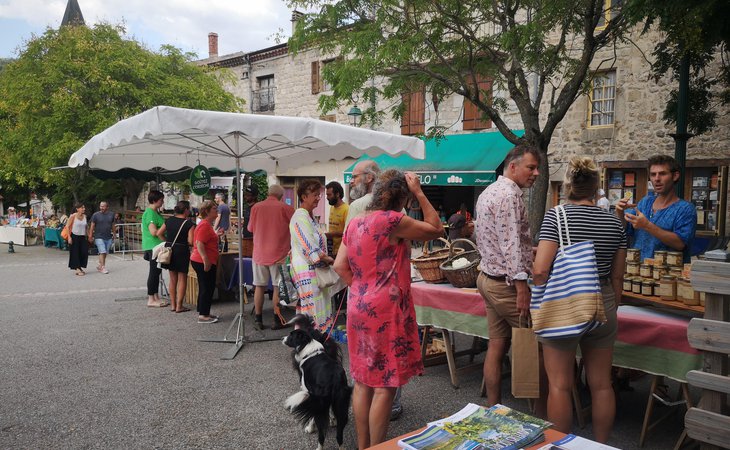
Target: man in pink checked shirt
{"type": "Point", "coordinates": [505, 245]}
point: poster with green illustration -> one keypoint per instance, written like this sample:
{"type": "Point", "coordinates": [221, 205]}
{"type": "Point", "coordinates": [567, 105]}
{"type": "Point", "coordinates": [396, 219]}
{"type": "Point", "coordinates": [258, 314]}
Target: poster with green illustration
{"type": "Point", "coordinates": [200, 180]}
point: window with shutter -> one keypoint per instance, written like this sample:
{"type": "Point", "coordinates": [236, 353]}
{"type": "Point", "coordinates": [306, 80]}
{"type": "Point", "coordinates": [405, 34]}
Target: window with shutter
{"type": "Point", "coordinates": [413, 120]}
{"type": "Point", "coordinates": [473, 116]}
{"type": "Point", "coordinates": [315, 77]}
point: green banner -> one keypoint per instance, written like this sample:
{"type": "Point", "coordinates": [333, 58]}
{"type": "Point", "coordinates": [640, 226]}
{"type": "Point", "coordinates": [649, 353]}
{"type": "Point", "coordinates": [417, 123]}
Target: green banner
{"type": "Point", "coordinates": [200, 180]}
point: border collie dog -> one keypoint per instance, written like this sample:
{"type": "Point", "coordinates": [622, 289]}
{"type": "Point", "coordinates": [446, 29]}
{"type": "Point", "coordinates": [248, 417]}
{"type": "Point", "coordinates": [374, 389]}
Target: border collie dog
{"type": "Point", "coordinates": [324, 386]}
{"type": "Point", "coordinates": [306, 322]}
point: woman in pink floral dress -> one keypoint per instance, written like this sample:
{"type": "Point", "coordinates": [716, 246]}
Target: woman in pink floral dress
{"type": "Point", "coordinates": [382, 333]}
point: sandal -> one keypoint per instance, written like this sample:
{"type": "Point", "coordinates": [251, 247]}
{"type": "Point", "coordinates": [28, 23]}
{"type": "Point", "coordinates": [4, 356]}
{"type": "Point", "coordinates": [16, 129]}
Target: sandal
{"type": "Point", "coordinates": [80, 273]}
{"type": "Point", "coordinates": [183, 309]}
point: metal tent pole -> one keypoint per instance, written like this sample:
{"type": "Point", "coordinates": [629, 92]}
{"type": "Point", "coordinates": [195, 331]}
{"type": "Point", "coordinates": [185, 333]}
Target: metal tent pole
{"type": "Point", "coordinates": [238, 321]}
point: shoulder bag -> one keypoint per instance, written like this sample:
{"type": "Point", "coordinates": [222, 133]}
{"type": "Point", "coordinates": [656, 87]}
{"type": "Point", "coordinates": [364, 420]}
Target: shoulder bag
{"type": "Point", "coordinates": [164, 256]}
{"type": "Point", "coordinates": [570, 303]}
{"type": "Point", "coordinates": [326, 276]}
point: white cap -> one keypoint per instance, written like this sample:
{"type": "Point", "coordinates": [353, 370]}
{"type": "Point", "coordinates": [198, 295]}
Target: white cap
{"type": "Point", "coordinates": [601, 192]}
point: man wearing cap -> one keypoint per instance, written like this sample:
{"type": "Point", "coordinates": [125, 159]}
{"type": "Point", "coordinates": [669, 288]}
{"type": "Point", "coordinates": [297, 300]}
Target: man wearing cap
{"type": "Point", "coordinates": [459, 228]}
{"type": "Point", "coordinates": [602, 201]}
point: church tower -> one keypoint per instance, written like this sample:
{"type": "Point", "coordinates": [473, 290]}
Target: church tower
{"type": "Point", "coordinates": [73, 15]}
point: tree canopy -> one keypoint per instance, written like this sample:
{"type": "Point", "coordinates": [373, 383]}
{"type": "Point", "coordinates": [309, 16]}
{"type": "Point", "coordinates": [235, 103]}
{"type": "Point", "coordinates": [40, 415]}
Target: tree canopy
{"type": "Point", "coordinates": [538, 51]}
{"type": "Point", "coordinates": [699, 30]}
{"type": "Point", "coordinates": [69, 84]}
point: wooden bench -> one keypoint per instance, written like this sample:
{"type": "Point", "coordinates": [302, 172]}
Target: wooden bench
{"type": "Point", "coordinates": [709, 422]}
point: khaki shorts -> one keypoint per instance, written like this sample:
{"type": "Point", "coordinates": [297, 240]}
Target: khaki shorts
{"type": "Point", "coordinates": [500, 299]}
{"type": "Point", "coordinates": [602, 337]}
{"type": "Point", "coordinates": [262, 274]}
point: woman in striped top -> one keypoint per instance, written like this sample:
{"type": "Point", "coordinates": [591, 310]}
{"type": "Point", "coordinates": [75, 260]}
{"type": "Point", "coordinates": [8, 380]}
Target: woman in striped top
{"type": "Point", "coordinates": [587, 222]}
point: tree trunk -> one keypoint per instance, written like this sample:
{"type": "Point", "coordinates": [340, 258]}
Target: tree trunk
{"type": "Point", "coordinates": [538, 196]}
{"type": "Point", "coordinates": [132, 188]}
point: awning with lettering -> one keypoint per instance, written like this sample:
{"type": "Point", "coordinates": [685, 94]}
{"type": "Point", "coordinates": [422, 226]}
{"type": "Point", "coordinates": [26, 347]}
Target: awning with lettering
{"type": "Point", "coordinates": [454, 160]}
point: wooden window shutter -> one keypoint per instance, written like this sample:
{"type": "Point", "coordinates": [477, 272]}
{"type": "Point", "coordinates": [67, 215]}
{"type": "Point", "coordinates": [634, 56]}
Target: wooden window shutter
{"type": "Point", "coordinates": [315, 77]}
{"type": "Point", "coordinates": [472, 114]}
{"type": "Point", "coordinates": [414, 113]}
{"type": "Point", "coordinates": [405, 120]}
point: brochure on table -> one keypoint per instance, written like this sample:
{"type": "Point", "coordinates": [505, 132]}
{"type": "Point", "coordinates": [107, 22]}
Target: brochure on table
{"type": "Point", "coordinates": [479, 428]}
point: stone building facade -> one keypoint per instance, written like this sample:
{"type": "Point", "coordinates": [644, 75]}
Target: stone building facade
{"type": "Point", "coordinates": [273, 81]}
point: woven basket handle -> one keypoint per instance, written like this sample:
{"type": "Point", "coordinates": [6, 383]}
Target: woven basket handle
{"type": "Point", "coordinates": [451, 247]}
{"type": "Point", "coordinates": [425, 246]}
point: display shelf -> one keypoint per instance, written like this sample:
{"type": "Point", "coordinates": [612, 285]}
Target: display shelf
{"type": "Point", "coordinates": [659, 302]}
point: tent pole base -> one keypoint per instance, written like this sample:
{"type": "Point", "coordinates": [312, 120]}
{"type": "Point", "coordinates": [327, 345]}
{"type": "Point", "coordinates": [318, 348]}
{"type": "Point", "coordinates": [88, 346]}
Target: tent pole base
{"type": "Point", "coordinates": [239, 339]}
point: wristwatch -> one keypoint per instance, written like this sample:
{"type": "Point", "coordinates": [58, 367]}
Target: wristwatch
{"type": "Point", "coordinates": [522, 276]}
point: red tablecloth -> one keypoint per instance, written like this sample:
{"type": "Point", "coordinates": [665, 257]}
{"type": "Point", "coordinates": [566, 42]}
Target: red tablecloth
{"type": "Point", "coordinates": [648, 340]}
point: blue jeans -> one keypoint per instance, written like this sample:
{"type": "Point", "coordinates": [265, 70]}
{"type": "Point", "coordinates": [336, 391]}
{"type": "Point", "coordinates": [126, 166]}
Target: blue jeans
{"type": "Point", "coordinates": [103, 245]}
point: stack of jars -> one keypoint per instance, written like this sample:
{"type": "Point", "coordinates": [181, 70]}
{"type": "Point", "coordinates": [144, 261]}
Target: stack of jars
{"type": "Point", "coordinates": [641, 275]}
{"type": "Point", "coordinates": [676, 284]}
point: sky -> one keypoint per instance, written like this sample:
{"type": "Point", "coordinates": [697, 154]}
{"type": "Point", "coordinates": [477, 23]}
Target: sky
{"type": "Point", "coordinates": [242, 25]}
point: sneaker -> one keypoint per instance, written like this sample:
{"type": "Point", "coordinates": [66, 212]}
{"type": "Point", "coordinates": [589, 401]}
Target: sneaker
{"type": "Point", "coordinates": [104, 269]}
{"type": "Point", "coordinates": [395, 413]}
{"type": "Point", "coordinates": [211, 319]}
{"type": "Point", "coordinates": [258, 325]}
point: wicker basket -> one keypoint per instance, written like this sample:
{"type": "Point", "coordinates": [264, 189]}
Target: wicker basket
{"type": "Point", "coordinates": [428, 263]}
{"type": "Point", "coordinates": [464, 277]}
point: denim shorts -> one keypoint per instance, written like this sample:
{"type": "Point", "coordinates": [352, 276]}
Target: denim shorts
{"type": "Point", "coordinates": [103, 245]}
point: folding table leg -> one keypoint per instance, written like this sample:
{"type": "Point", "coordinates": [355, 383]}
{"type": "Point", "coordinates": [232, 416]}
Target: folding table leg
{"type": "Point", "coordinates": [450, 358]}
{"type": "Point", "coordinates": [649, 410]}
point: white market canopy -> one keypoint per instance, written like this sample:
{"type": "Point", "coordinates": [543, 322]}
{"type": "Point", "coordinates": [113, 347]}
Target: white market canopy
{"type": "Point", "coordinates": [172, 138]}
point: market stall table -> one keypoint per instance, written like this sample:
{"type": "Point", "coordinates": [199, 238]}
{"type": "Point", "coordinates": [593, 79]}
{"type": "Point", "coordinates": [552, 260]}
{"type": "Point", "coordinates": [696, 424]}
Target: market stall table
{"type": "Point", "coordinates": [52, 238]}
{"type": "Point", "coordinates": [14, 234]}
{"type": "Point", "coordinates": [648, 340]}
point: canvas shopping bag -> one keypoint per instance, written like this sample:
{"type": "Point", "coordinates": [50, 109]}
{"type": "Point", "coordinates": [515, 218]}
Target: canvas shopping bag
{"type": "Point", "coordinates": [570, 302]}
{"type": "Point", "coordinates": [525, 364]}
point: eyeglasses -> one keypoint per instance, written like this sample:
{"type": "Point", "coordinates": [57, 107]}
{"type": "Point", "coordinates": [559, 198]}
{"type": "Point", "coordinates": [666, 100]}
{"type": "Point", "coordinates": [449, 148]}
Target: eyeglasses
{"type": "Point", "coordinates": [355, 175]}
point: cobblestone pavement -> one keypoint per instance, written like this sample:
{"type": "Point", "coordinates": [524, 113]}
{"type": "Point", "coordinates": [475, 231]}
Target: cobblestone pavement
{"type": "Point", "coordinates": [85, 364]}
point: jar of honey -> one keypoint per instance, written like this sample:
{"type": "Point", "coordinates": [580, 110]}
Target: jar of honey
{"type": "Point", "coordinates": [636, 285]}
{"type": "Point", "coordinates": [632, 268]}
{"type": "Point", "coordinates": [633, 255]}
{"type": "Point", "coordinates": [668, 288]}
{"type": "Point", "coordinates": [660, 258]}
{"type": "Point", "coordinates": [676, 272]}
{"type": "Point", "coordinates": [660, 271]}
{"type": "Point", "coordinates": [675, 259]}
{"type": "Point", "coordinates": [687, 293]}
{"type": "Point", "coordinates": [645, 270]}
{"type": "Point", "coordinates": [627, 283]}
{"type": "Point", "coordinates": [647, 287]}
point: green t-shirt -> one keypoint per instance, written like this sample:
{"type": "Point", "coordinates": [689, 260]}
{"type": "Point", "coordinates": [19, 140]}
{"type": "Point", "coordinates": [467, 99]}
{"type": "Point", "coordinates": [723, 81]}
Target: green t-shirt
{"type": "Point", "coordinates": [150, 216]}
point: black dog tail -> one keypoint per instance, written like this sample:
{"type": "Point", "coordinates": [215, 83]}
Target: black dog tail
{"type": "Point", "coordinates": [310, 408]}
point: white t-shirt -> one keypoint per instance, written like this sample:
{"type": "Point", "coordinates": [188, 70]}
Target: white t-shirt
{"type": "Point", "coordinates": [603, 203]}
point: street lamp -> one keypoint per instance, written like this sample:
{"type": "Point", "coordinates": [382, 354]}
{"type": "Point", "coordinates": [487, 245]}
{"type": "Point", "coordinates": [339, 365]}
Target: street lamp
{"type": "Point", "coordinates": [355, 113]}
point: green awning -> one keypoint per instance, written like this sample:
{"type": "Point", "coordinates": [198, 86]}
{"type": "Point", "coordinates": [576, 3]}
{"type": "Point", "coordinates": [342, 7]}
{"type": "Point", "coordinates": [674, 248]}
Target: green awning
{"type": "Point", "coordinates": [455, 160]}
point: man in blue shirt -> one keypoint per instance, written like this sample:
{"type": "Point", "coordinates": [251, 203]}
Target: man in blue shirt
{"type": "Point", "coordinates": [661, 221]}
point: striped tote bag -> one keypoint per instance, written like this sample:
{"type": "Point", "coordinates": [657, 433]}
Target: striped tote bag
{"type": "Point", "coordinates": [570, 303]}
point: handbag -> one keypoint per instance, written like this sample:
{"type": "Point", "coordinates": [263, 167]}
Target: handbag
{"type": "Point", "coordinates": [65, 234]}
{"type": "Point", "coordinates": [164, 254]}
{"type": "Point", "coordinates": [326, 277]}
{"type": "Point", "coordinates": [570, 303]}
